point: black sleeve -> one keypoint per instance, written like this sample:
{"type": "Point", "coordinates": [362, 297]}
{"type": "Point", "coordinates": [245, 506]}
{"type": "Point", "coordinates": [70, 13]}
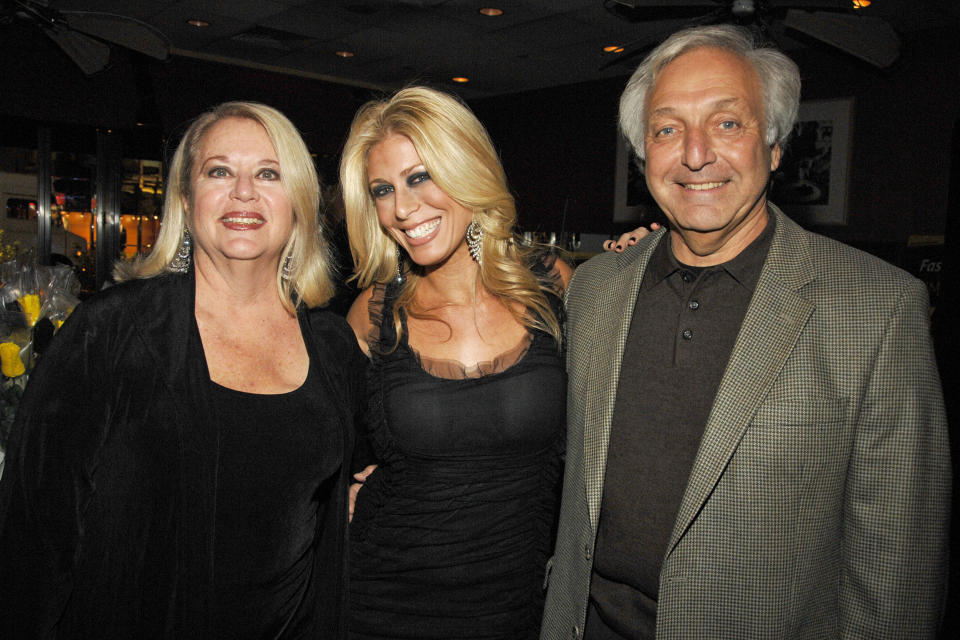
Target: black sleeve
{"type": "Point", "coordinates": [346, 366]}
{"type": "Point", "coordinates": [47, 480]}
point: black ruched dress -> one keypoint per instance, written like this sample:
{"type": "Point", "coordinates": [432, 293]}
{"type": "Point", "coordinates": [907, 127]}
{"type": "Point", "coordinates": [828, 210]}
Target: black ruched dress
{"type": "Point", "coordinates": [452, 532]}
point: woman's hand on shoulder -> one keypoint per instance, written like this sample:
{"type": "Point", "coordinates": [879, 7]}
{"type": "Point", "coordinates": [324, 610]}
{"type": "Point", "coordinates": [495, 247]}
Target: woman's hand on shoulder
{"type": "Point", "coordinates": [359, 319]}
{"type": "Point", "coordinates": [628, 239]}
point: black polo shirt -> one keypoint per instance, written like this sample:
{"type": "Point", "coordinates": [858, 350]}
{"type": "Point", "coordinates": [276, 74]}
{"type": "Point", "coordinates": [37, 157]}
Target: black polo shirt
{"type": "Point", "coordinates": [685, 323]}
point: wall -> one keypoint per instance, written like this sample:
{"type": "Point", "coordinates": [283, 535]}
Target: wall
{"type": "Point", "coordinates": [558, 148]}
{"type": "Point", "coordinates": [902, 128]}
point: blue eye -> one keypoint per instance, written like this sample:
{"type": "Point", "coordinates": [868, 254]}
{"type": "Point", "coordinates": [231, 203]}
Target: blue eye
{"type": "Point", "coordinates": [665, 131]}
{"type": "Point", "coordinates": [381, 190]}
{"type": "Point", "coordinates": [729, 124]}
{"type": "Point", "coordinates": [269, 174]}
{"type": "Point", "coordinates": [218, 172]}
{"type": "Point", "coordinates": [418, 177]}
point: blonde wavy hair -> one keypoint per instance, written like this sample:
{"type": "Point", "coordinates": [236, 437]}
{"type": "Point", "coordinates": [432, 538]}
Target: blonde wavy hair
{"type": "Point", "coordinates": [459, 156]}
{"type": "Point", "coordinates": [310, 281]}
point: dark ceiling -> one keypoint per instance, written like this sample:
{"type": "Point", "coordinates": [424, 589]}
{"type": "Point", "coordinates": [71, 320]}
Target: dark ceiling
{"type": "Point", "coordinates": [534, 44]}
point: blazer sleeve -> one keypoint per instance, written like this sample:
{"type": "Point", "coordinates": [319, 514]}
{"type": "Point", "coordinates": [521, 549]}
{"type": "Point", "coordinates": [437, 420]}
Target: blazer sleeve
{"type": "Point", "coordinates": [49, 478]}
{"type": "Point", "coordinates": [897, 502]}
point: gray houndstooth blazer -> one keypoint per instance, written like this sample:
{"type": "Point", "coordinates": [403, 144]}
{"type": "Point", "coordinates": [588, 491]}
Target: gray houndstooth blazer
{"type": "Point", "coordinates": [817, 506]}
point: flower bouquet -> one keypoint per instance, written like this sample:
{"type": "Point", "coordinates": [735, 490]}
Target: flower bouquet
{"type": "Point", "coordinates": [34, 302]}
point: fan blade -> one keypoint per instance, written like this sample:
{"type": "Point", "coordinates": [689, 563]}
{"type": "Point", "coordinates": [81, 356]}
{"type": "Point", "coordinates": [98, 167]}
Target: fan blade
{"type": "Point", "coordinates": [89, 54]}
{"type": "Point", "coordinates": [865, 37]}
{"type": "Point", "coordinates": [122, 30]}
{"type": "Point", "coordinates": [812, 5]}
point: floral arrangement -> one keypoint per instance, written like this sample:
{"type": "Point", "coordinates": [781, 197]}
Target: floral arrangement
{"type": "Point", "coordinates": [34, 302]}
{"type": "Point", "coordinates": [8, 251]}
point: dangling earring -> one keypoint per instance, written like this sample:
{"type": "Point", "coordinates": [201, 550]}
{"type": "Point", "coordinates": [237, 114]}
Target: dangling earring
{"type": "Point", "coordinates": [287, 271]}
{"type": "Point", "coordinates": [399, 279]}
{"type": "Point", "coordinates": [475, 241]}
{"type": "Point", "coordinates": [181, 261]}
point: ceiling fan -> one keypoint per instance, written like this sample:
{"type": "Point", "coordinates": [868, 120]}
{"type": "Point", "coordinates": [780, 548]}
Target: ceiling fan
{"type": "Point", "coordinates": [834, 22]}
{"type": "Point", "coordinates": [86, 36]}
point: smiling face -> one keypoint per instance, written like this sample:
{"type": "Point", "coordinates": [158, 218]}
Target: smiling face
{"type": "Point", "coordinates": [707, 164]}
{"type": "Point", "coordinates": [239, 208]}
{"type": "Point", "coordinates": [424, 220]}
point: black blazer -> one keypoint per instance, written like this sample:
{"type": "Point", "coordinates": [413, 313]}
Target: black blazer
{"type": "Point", "coordinates": [107, 500]}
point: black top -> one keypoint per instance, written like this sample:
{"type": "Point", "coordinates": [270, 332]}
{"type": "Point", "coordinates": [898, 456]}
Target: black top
{"type": "Point", "coordinates": [684, 325]}
{"type": "Point", "coordinates": [451, 533]}
{"type": "Point", "coordinates": [108, 503]}
{"type": "Point", "coordinates": [279, 455]}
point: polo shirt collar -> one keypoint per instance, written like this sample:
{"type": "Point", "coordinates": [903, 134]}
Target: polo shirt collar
{"type": "Point", "coordinates": [745, 267]}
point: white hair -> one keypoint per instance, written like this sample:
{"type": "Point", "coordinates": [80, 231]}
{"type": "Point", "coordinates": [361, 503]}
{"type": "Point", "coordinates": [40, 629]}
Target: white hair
{"type": "Point", "coordinates": [779, 79]}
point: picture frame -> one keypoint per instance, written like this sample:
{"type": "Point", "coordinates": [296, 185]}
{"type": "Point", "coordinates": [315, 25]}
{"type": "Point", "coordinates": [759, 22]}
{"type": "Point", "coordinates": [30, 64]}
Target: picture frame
{"type": "Point", "coordinates": [632, 201]}
{"type": "Point", "coordinates": [810, 185]}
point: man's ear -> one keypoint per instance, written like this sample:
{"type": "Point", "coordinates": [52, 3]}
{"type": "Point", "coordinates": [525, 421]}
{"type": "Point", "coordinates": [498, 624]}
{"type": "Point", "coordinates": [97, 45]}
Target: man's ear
{"type": "Point", "coordinates": [775, 154]}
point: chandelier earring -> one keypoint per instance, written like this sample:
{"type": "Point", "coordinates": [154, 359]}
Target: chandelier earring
{"type": "Point", "coordinates": [400, 277]}
{"type": "Point", "coordinates": [287, 271]}
{"type": "Point", "coordinates": [475, 241]}
{"type": "Point", "coordinates": [181, 261]}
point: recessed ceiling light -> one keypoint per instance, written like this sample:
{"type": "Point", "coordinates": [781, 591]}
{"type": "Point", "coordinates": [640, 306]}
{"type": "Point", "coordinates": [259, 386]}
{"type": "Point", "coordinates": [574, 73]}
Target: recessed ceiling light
{"type": "Point", "coordinates": [198, 23]}
{"type": "Point", "coordinates": [491, 11]}
{"type": "Point", "coordinates": [460, 79]}
{"type": "Point", "coordinates": [345, 54]}
{"type": "Point", "coordinates": [613, 48]}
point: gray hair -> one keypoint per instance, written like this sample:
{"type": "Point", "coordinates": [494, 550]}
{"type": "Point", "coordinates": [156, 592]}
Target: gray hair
{"type": "Point", "coordinates": [779, 79]}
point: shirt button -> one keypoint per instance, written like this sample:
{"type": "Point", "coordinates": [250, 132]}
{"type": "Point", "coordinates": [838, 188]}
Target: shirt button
{"type": "Point", "coordinates": [687, 334]}
{"type": "Point", "coordinates": [694, 305]}
{"type": "Point", "coordinates": [575, 632]}
{"type": "Point", "coordinates": [686, 276]}
{"type": "Point", "coordinates": [586, 551]}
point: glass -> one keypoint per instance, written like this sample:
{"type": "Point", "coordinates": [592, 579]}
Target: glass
{"type": "Point", "coordinates": [141, 204]}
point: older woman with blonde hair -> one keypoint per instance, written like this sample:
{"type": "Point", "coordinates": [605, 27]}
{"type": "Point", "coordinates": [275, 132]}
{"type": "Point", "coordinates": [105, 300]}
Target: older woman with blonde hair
{"type": "Point", "coordinates": [452, 529]}
{"type": "Point", "coordinates": [178, 465]}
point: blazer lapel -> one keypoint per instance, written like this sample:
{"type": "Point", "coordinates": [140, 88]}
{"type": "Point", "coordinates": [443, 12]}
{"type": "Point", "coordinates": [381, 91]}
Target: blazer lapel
{"type": "Point", "coordinates": [774, 320]}
{"type": "Point", "coordinates": [611, 324]}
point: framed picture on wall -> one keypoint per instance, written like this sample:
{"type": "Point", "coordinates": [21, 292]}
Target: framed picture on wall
{"type": "Point", "coordinates": [811, 183]}
{"type": "Point", "coordinates": [632, 201]}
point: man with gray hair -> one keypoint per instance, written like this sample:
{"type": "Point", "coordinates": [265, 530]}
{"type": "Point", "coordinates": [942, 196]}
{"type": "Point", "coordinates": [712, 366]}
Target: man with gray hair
{"type": "Point", "coordinates": [757, 445]}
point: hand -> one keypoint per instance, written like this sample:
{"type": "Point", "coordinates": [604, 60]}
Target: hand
{"type": "Point", "coordinates": [628, 239]}
{"type": "Point", "coordinates": [355, 487]}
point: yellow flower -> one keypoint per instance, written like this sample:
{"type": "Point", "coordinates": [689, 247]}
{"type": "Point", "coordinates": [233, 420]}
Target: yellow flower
{"type": "Point", "coordinates": [30, 303]}
{"type": "Point", "coordinates": [12, 366]}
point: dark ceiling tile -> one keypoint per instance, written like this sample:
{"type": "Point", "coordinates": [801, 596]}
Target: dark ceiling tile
{"type": "Point", "coordinates": [312, 20]}
{"type": "Point", "coordinates": [243, 10]}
